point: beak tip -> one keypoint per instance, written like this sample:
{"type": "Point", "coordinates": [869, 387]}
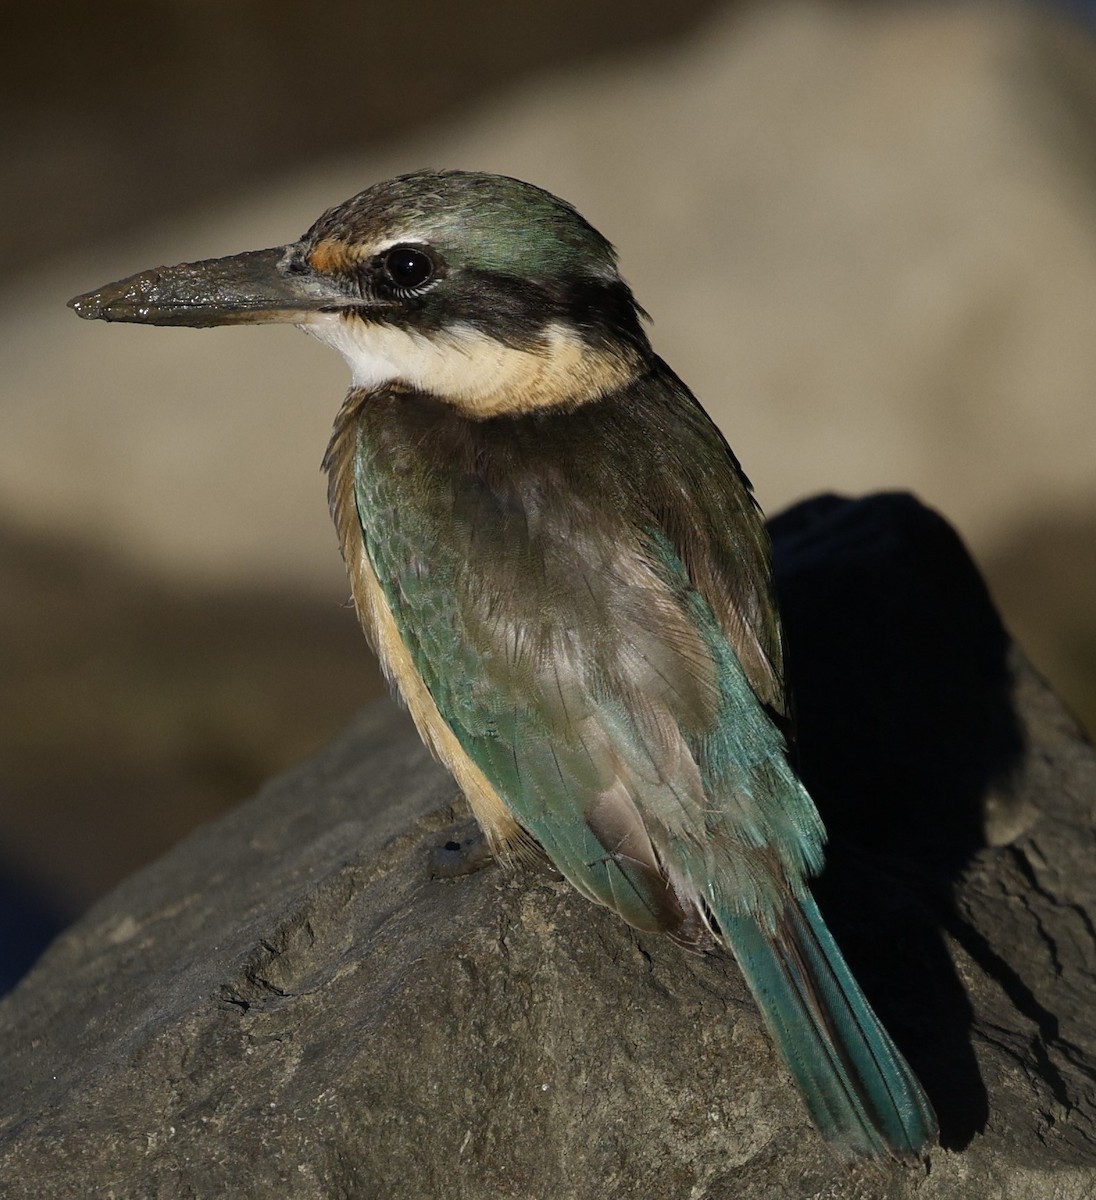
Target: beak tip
{"type": "Point", "coordinates": [87, 306]}
{"type": "Point", "coordinates": [129, 299]}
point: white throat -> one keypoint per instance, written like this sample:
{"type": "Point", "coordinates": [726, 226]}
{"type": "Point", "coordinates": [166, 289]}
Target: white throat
{"type": "Point", "coordinates": [470, 369]}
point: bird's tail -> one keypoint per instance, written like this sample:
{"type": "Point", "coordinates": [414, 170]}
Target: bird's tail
{"type": "Point", "coordinates": [859, 1090]}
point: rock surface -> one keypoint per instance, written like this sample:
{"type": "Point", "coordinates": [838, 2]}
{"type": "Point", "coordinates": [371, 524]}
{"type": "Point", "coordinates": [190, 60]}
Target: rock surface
{"type": "Point", "coordinates": [328, 994]}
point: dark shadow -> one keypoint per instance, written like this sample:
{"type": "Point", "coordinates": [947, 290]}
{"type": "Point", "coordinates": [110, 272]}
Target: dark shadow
{"type": "Point", "coordinates": [898, 666]}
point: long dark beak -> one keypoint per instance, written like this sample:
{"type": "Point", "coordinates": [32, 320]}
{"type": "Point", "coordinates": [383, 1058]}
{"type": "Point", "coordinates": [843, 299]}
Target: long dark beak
{"type": "Point", "coordinates": [244, 289]}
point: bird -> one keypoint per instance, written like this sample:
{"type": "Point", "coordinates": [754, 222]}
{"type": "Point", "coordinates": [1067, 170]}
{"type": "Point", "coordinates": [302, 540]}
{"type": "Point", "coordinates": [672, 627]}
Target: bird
{"type": "Point", "coordinates": [563, 571]}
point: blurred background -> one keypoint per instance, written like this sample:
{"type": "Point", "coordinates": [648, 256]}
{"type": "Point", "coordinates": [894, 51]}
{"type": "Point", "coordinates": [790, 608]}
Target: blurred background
{"type": "Point", "coordinates": [865, 232]}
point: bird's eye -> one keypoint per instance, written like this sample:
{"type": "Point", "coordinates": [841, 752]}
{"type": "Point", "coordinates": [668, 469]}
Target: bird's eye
{"type": "Point", "coordinates": [407, 266]}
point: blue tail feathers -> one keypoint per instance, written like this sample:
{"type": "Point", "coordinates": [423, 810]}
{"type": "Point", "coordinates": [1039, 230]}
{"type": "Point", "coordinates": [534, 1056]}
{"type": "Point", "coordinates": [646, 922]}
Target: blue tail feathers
{"type": "Point", "coordinates": [859, 1090]}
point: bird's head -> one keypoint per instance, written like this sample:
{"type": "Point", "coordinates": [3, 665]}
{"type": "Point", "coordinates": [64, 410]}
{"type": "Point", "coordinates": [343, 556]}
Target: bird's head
{"type": "Point", "coordinates": [479, 289]}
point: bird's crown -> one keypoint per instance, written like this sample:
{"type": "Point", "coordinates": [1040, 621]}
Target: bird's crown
{"type": "Point", "coordinates": [476, 221]}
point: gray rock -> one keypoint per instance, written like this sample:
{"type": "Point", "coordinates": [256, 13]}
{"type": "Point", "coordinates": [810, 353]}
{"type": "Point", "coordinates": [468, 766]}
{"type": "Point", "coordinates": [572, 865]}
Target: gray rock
{"type": "Point", "coordinates": [330, 993]}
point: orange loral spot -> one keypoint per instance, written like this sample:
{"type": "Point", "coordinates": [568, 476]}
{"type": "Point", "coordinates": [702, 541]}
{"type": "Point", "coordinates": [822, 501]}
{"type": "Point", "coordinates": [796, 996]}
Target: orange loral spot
{"type": "Point", "coordinates": [331, 256]}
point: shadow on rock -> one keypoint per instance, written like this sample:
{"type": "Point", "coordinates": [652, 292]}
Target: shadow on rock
{"type": "Point", "coordinates": [908, 740]}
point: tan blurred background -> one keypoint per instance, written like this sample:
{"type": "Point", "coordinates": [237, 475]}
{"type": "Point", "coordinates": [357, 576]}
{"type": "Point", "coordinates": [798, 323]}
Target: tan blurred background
{"type": "Point", "coordinates": [866, 234]}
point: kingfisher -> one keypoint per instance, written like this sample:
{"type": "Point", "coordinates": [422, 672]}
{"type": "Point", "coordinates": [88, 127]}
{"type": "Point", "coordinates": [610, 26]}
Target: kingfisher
{"type": "Point", "coordinates": [563, 571]}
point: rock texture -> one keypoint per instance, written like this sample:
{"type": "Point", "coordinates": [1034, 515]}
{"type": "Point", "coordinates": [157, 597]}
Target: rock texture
{"type": "Point", "coordinates": [329, 993]}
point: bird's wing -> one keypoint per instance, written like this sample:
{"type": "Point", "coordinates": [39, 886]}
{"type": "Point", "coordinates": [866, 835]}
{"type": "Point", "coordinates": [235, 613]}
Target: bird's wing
{"type": "Point", "coordinates": [558, 592]}
{"type": "Point", "coordinates": [557, 589]}
{"type": "Point", "coordinates": [713, 522]}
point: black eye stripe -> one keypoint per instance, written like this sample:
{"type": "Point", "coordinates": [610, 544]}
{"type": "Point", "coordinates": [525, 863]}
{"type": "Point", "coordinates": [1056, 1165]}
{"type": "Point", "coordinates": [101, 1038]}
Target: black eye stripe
{"type": "Point", "coordinates": [407, 267]}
